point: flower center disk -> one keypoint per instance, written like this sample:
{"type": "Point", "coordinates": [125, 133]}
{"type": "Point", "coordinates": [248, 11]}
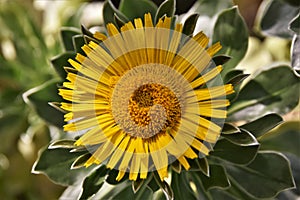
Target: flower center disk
{"type": "Point", "coordinates": [147, 100]}
{"type": "Point", "coordinates": [149, 103]}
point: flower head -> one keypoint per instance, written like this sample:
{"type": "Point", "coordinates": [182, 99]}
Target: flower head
{"type": "Point", "coordinates": [145, 97]}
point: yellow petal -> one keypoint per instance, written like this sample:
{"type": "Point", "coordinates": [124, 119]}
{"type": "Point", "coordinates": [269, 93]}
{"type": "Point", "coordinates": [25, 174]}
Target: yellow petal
{"type": "Point", "coordinates": [148, 20]}
{"type": "Point", "coordinates": [100, 36]}
{"type": "Point", "coordinates": [206, 77]}
{"type": "Point", "coordinates": [214, 49]}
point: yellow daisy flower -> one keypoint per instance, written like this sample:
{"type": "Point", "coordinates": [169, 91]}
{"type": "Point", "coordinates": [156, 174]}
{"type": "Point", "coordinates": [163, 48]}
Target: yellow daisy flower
{"type": "Point", "coordinates": [145, 97]}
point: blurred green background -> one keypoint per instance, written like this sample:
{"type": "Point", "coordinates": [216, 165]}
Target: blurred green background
{"type": "Point", "coordinates": [29, 38]}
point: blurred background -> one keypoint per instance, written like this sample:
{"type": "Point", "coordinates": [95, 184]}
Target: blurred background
{"type": "Point", "coordinates": [30, 37]}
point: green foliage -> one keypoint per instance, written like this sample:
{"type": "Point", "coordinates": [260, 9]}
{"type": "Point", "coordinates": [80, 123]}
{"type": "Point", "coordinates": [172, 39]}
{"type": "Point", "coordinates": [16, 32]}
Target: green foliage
{"type": "Point", "coordinates": [217, 178]}
{"type": "Point", "coordinates": [283, 139]}
{"type": "Point", "coordinates": [179, 184]}
{"type": "Point", "coordinates": [190, 24]}
{"type": "Point", "coordinates": [56, 164]}
{"type": "Point", "coordinates": [238, 154]}
{"type": "Point", "coordinates": [261, 95]}
{"type": "Point", "coordinates": [275, 18]}
{"type": "Point", "coordinates": [93, 182]}
{"type": "Point", "coordinates": [234, 41]}
{"type": "Point", "coordinates": [60, 61]}
{"type": "Point", "coordinates": [258, 180]}
{"type": "Point", "coordinates": [262, 125]}
{"type": "Point", "coordinates": [167, 8]}
{"type": "Point", "coordinates": [295, 24]}
{"type": "Point", "coordinates": [140, 8]}
{"type": "Point", "coordinates": [39, 97]}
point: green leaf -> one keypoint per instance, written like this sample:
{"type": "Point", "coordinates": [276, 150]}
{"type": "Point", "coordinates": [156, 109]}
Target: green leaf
{"type": "Point", "coordinates": [166, 8]}
{"type": "Point", "coordinates": [211, 8]}
{"type": "Point", "coordinates": [136, 185]}
{"type": "Point", "coordinates": [231, 31]}
{"type": "Point", "coordinates": [200, 165]}
{"type": "Point", "coordinates": [230, 129]}
{"type": "Point", "coordinates": [234, 153]}
{"type": "Point", "coordinates": [124, 191]}
{"type": "Point", "coordinates": [60, 61]}
{"type": "Point", "coordinates": [65, 144]}
{"type": "Point", "coordinates": [39, 97]}
{"type": "Point", "coordinates": [275, 18]}
{"type": "Point", "coordinates": [217, 178]}
{"type": "Point", "coordinates": [112, 175]}
{"type": "Point", "coordinates": [71, 192]}
{"type": "Point", "coordinates": [285, 138]}
{"type": "Point", "coordinates": [164, 186]}
{"type": "Point", "coordinates": [295, 24]}
{"type": "Point", "coordinates": [190, 24]}
{"type": "Point", "coordinates": [181, 183]}
{"type": "Point", "coordinates": [56, 164]}
{"type": "Point", "coordinates": [273, 90]}
{"type": "Point", "coordinates": [262, 125]}
{"type": "Point", "coordinates": [237, 79]}
{"type": "Point", "coordinates": [241, 138]}
{"type": "Point", "coordinates": [80, 161]}
{"type": "Point", "coordinates": [66, 35]}
{"type": "Point", "coordinates": [78, 42]}
{"type": "Point", "coordinates": [295, 53]}
{"type": "Point", "coordinates": [176, 166]}
{"type": "Point", "coordinates": [231, 74]}
{"type": "Point", "coordinates": [265, 177]}
{"type": "Point", "coordinates": [109, 12]}
{"type": "Point", "coordinates": [221, 59]}
{"type": "Point", "coordinates": [222, 194]}
{"type": "Point", "coordinates": [141, 7]}
{"type": "Point", "coordinates": [292, 2]}
{"type": "Point", "coordinates": [295, 166]}
{"type": "Point", "coordinates": [93, 182]}
{"type": "Point", "coordinates": [119, 21]}
{"type": "Point", "coordinates": [234, 192]}
{"type": "Point", "coordinates": [86, 31]}
{"type": "Point", "coordinates": [88, 39]}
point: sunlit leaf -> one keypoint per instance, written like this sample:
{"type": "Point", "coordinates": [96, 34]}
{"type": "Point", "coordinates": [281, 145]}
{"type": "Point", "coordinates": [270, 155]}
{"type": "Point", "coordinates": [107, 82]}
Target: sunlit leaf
{"type": "Point", "coordinates": [39, 97]}
{"type": "Point", "coordinates": [211, 8]}
{"type": "Point", "coordinates": [56, 164]}
{"type": "Point", "coordinates": [231, 31]}
{"type": "Point", "coordinates": [241, 138]}
{"type": "Point", "coordinates": [274, 89]}
{"type": "Point", "coordinates": [295, 24]}
{"type": "Point", "coordinates": [275, 18]}
{"type": "Point", "coordinates": [295, 53]}
{"type": "Point", "coordinates": [81, 160]}
{"type": "Point", "coordinates": [65, 144]}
